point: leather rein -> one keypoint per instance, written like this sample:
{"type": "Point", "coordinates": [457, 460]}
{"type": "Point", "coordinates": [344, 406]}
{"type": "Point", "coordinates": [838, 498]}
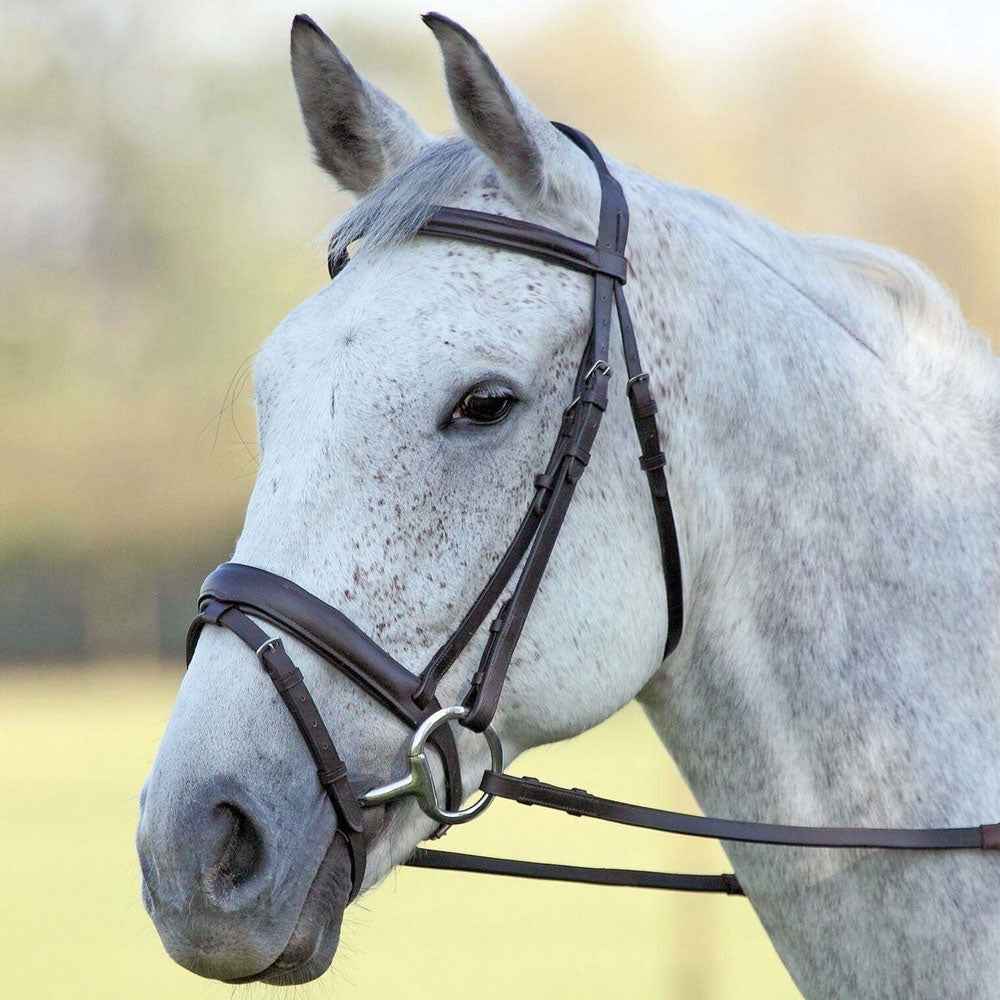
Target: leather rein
{"type": "Point", "coordinates": [235, 592]}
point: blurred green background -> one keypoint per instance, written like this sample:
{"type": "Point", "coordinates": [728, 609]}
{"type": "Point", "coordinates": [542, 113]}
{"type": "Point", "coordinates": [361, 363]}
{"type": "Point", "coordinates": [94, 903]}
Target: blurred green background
{"type": "Point", "coordinates": [158, 206]}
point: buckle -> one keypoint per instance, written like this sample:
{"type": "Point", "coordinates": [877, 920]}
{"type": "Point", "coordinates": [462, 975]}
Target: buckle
{"type": "Point", "coordinates": [272, 643]}
{"type": "Point", "coordinates": [599, 366]}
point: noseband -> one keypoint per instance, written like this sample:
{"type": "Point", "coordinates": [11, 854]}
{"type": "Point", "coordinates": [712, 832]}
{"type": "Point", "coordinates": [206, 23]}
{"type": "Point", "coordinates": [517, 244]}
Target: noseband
{"type": "Point", "coordinates": [234, 592]}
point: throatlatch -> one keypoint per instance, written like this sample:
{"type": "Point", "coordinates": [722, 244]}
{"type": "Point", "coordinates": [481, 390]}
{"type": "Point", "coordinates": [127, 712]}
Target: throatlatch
{"type": "Point", "coordinates": [234, 592]}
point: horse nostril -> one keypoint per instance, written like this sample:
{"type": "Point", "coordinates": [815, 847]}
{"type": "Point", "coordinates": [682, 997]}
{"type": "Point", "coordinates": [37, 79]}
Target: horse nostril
{"type": "Point", "coordinates": [242, 853]}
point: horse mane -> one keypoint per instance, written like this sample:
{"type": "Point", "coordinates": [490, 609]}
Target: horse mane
{"type": "Point", "coordinates": [943, 360]}
{"type": "Point", "coordinates": [925, 306]}
{"type": "Point", "coordinates": [885, 300]}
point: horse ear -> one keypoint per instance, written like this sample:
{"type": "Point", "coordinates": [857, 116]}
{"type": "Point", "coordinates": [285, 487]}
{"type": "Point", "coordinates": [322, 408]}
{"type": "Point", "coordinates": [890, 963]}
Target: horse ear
{"type": "Point", "coordinates": [534, 158]}
{"type": "Point", "coordinates": [359, 135]}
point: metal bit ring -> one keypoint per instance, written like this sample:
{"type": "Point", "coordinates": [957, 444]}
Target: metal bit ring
{"type": "Point", "coordinates": [419, 782]}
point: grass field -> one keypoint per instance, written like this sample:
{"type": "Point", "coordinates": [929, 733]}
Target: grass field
{"type": "Point", "coordinates": [75, 745]}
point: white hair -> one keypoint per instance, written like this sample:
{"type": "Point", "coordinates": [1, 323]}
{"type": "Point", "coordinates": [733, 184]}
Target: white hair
{"type": "Point", "coordinates": [401, 204]}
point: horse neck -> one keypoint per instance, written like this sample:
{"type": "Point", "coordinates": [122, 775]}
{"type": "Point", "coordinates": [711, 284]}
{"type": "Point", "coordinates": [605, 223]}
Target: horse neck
{"type": "Point", "coordinates": [840, 657]}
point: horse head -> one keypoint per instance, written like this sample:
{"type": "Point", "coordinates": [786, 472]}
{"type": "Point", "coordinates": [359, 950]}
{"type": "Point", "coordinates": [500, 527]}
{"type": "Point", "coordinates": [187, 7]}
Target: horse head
{"type": "Point", "coordinates": [403, 412]}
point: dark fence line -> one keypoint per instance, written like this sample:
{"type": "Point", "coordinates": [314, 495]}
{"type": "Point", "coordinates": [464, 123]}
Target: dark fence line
{"type": "Point", "coordinates": [111, 604]}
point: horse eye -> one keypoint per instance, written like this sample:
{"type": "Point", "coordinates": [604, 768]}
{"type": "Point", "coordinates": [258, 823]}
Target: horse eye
{"type": "Point", "coordinates": [484, 405]}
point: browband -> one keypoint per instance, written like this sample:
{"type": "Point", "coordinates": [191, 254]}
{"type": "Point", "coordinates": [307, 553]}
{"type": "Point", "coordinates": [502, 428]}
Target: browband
{"type": "Point", "coordinates": [525, 237]}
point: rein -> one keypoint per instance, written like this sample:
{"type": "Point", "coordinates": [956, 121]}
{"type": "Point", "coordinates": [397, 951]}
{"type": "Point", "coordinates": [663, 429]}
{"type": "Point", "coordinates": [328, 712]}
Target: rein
{"type": "Point", "coordinates": [235, 592]}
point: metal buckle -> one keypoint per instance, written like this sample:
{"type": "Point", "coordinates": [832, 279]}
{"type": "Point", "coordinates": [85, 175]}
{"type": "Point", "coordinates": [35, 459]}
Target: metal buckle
{"type": "Point", "coordinates": [599, 366]}
{"type": "Point", "coordinates": [273, 643]}
{"type": "Point", "coordinates": [419, 782]}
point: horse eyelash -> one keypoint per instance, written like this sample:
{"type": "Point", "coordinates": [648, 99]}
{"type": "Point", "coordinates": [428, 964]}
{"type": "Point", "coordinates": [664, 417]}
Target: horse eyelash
{"type": "Point", "coordinates": [490, 389]}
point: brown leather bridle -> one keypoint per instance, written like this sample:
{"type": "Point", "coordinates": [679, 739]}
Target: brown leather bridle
{"type": "Point", "coordinates": [234, 592]}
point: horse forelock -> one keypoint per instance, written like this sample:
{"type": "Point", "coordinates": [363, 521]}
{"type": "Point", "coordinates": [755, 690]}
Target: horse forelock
{"type": "Point", "coordinates": [394, 210]}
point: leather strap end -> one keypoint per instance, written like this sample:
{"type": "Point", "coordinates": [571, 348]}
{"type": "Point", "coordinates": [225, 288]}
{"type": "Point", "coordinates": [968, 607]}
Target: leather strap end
{"type": "Point", "coordinates": [191, 639]}
{"type": "Point", "coordinates": [579, 458]}
{"type": "Point", "coordinates": [990, 834]}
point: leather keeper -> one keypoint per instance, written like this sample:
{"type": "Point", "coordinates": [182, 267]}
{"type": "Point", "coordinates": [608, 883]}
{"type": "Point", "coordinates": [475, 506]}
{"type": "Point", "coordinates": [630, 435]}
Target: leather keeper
{"type": "Point", "coordinates": [283, 680]}
{"type": "Point", "coordinates": [650, 462]}
{"type": "Point", "coordinates": [524, 800]}
{"type": "Point", "coordinates": [500, 621]}
{"type": "Point", "coordinates": [611, 263]}
{"type": "Point", "coordinates": [640, 398]}
{"type": "Point", "coordinates": [544, 482]}
{"type": "Point", "coordinates": [582, 791]}
{"type": "Point", "coordinates": [332, 776]}
{"type": "Point", "coordinates": [213, 611]}
{"type": "Point", "coordinates": [596, 395]}
{"type": "Point", "coordinates": [641, 410]}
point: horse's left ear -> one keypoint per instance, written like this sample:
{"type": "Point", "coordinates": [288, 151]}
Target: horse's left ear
{"type": "Point", "coordinates": [536, 161]}
{"type": "Point", "coordinates": [359, 134]}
